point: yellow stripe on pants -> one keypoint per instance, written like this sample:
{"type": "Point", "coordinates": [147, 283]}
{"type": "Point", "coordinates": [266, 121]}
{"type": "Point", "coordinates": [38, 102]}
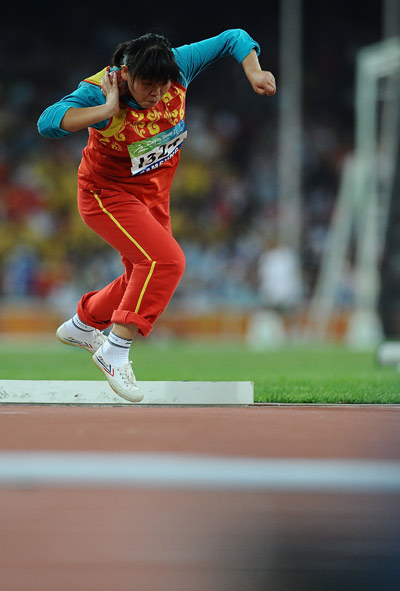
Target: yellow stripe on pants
{"type": "Point", "coordinates": [116, 222]}
{"type": "Point", "coordinates": [153, 263]}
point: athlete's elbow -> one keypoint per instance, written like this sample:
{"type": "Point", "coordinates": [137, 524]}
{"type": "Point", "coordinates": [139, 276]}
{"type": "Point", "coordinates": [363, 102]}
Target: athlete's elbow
{"type": "Point", "coordinates": [49, 125]}
{"type": "Point", "coordinates": [43, 129]}
{"type": "Point", "coordinates": [49, 131]}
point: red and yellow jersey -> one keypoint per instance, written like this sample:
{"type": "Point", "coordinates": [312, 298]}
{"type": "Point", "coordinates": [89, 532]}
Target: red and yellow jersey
{"type": "Point", "coordinates": [135, 143]}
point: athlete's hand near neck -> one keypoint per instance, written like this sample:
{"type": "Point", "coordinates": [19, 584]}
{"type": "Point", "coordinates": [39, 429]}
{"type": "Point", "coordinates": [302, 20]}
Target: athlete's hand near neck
{"type": "Point", "coordinates": [79, 118]}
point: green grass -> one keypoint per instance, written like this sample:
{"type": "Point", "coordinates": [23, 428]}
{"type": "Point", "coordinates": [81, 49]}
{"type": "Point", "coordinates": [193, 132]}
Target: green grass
{"type": "Point", "coordinates": [328, 374]}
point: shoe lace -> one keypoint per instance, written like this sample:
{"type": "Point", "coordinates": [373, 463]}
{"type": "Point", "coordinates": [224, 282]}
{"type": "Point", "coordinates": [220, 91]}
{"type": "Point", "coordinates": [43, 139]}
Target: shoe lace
{"type": "Point", "coordinates": [98, 337]}
{"type": "Point", "coordinates": [127, 374]}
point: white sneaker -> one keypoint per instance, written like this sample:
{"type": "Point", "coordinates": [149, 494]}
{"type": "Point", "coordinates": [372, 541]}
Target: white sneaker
{"type": "Point", "coordinates": [91, 345]}
{"type": "Point", "coordinates": [121, 379]}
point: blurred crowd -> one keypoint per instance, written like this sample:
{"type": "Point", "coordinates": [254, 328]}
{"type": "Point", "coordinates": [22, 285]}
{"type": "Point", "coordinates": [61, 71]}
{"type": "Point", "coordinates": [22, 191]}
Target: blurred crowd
{"type": "Point", "coordinates": [224, 197]}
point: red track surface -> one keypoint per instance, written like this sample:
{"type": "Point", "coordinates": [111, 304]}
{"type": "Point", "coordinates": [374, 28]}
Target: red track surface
{"type": "Point", "coordinates": [94, 539]}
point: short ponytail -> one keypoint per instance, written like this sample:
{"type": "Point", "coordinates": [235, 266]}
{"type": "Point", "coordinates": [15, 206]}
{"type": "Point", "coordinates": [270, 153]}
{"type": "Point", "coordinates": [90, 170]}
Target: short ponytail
{"type": "Point", "coordinates": [118, 56]}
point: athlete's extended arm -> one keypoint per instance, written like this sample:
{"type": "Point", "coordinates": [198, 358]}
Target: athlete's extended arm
{"type": "Point", "coordinates": [262, 82]}
{"type": "Point", "coordinates": [77, 118]}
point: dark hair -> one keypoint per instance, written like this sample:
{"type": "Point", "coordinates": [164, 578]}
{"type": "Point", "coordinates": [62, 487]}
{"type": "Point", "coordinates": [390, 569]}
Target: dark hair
{"type": "Point", "coordinates": [148, 57]}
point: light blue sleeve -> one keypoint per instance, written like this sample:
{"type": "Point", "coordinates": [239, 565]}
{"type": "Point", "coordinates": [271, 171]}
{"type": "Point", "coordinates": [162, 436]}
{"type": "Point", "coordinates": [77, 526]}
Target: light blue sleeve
{"type": "Point", "coordinates": [193, 58]}
{"type": "Point", "coordinates": [86, 95]}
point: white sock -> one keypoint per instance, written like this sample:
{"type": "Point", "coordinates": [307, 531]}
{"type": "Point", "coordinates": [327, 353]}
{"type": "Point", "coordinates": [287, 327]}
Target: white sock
{"type": "Point", "coordinates": [116, 349]}
{"type": "Point", "coordinates": [78, 329]}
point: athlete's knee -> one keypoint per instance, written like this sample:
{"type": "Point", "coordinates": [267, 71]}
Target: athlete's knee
{"type": "Point", "coordinates": [181, 262]}
{"type": "Point", "coordinates": [177, 264]}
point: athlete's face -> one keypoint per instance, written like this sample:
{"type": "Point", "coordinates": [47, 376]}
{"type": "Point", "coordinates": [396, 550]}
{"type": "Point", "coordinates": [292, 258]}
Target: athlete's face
{"type": "Point", "coordinates": [146, 93]}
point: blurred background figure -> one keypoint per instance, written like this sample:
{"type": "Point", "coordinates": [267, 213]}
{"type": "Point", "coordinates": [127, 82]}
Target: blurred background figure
{"type": "Point", "coordinates": [281, 293]}
{"type": "Point", "coordinates": [281, 286]}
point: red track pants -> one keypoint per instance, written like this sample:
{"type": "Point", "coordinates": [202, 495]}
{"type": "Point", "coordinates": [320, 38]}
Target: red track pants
{"type": "Point", "coordinates": [153, 260]}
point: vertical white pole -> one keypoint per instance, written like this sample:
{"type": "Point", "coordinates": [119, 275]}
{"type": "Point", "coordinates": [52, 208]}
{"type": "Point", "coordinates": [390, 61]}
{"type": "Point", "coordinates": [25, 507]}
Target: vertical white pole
{"type": "Point", "coordinates": [391, 18]}
{"type": "Point", "coordinates": [289, 85]}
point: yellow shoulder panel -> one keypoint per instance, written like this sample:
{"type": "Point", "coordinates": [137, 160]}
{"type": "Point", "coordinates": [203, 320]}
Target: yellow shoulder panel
{"type": "Point", "coordinates": [96, 79]}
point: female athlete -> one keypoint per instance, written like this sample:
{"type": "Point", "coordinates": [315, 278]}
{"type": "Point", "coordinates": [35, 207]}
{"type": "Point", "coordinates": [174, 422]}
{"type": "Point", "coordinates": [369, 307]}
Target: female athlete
{"type": "Point", "coordinates": [135, 112]}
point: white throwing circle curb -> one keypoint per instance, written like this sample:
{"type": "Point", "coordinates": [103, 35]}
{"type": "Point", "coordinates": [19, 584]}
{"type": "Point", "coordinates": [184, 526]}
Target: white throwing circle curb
{"type": "Point", "coordinates": [100, 393]}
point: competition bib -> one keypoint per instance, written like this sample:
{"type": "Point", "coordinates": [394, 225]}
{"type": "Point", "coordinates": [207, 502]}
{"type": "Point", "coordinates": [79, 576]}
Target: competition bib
{"type": "Point", "coordinates": [153, 151]}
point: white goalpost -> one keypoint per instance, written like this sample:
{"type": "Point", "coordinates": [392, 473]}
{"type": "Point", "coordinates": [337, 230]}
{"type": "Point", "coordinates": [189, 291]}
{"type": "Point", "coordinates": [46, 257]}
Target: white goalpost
{"type": "Point", "coordinates": [361, 213]}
